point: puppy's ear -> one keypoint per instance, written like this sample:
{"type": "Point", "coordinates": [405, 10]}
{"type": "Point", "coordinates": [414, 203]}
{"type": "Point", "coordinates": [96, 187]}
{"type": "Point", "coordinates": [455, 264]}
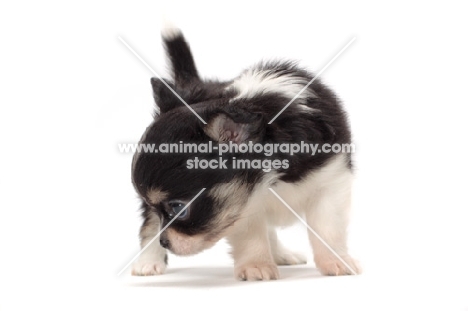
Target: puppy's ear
{"type": "Point", "coordinates": [236, 125]}
{"type": "Point", "coordinates": [165, 99]}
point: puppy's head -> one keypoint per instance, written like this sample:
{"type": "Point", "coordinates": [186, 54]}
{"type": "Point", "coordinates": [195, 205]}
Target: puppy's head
{"type": "Point", "coordinates": [166, 183]}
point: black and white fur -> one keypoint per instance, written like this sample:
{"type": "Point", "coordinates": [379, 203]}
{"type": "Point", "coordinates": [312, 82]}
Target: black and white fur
{"type": "Point", "coordinates": [237, 204]}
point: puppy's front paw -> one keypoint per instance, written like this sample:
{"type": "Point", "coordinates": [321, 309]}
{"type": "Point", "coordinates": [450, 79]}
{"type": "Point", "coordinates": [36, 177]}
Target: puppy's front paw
{"type": "Point", "coordinates": [287, 258]}
{"type": "Point", "coordinates": [333, 266]}
{"type": "Point", "coordinates": [146, 268]}
{"type": "Point", "coordinates": [257, 272]}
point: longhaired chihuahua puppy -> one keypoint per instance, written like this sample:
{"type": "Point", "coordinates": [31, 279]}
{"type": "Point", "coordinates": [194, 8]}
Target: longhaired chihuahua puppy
{"type": "Point", "coordinates": [243, 187]}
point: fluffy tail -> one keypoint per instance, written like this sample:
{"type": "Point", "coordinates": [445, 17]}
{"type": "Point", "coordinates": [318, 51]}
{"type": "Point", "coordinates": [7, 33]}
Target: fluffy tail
{"type": "Point", "coordinates": [183, 66]}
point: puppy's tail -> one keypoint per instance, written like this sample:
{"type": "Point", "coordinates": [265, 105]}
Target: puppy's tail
{"type": "Point", "coordinates": [183, 66]}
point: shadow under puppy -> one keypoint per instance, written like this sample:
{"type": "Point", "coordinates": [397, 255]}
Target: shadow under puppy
{"type": "Point", "coordinates": [237, 204]}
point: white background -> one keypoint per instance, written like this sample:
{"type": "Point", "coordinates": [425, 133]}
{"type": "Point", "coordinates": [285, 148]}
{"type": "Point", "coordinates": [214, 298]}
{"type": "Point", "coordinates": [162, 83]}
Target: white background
{"type": "Point", "coordinates": [70, 92]}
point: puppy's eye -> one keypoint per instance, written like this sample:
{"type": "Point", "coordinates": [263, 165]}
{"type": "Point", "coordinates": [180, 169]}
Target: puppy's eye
{"type": "Point", "coordinates": [175, 207]}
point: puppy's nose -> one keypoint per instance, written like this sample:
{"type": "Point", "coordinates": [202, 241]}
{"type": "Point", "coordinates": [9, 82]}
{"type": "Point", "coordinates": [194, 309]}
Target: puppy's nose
{"type": "Point", "coordinates": [164, 243]}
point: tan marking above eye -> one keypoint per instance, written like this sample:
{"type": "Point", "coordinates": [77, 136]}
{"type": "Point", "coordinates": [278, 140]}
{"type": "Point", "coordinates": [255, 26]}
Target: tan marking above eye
{"type": "Point", "coordinates": [156, 195]}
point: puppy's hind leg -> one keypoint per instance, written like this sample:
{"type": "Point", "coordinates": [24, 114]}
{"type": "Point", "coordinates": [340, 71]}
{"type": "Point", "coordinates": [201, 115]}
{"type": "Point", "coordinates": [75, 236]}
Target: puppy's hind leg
{"type": "Point", "coordinates": [328, 217]}
{"type": "Point", "coordinates": [153, 260]}
{"type": "Point", "coordinates": [282, 255]}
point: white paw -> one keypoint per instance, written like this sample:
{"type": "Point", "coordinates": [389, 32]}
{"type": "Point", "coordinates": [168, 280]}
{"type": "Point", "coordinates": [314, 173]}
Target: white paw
{"type": "Point", "coordinates": [288, 258]}
{"type": "Point", "coordinates": [334, 266]}
{"type": "Point", "coordinates": [145, 268]}
{"type": "Point", "coordinates": [257, 272]}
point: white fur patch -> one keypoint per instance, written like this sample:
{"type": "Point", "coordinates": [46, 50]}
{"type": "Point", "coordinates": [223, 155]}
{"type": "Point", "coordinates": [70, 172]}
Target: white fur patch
{"type": "Point", "coordinates": [258, 82]}
{"type": "Point", "coordinates": [322, 199]}
{"type": "Point", "coordinates": [169, 31]}
{"type": "Point", "coordinates": [334, 178]}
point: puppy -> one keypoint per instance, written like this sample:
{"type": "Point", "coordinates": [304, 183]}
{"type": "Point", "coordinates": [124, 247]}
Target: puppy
{"type": "Point", "coordinates": [237, 203]}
